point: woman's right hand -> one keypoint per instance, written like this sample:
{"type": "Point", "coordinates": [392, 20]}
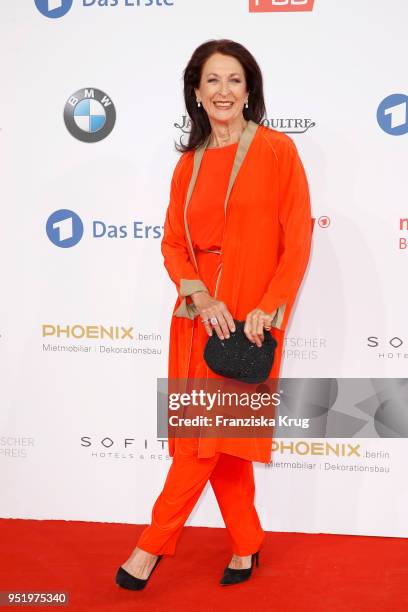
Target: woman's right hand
{"type": "Point", "coordinates": [209, 307]}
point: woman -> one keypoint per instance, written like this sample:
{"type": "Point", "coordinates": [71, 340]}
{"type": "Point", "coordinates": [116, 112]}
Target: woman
{"type": "Point", "coordinates": [236, 244]}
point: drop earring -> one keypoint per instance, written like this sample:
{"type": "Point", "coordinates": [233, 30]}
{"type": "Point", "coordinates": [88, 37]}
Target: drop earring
{"type": "Point", "coordinates": [246, 104]}
{"type": "Point", "coordinates": [198, 103]}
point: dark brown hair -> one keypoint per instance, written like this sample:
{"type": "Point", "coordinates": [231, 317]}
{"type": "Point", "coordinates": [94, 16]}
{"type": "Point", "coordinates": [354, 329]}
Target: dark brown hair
{"type": "Point", "coordinates": [200, 124]}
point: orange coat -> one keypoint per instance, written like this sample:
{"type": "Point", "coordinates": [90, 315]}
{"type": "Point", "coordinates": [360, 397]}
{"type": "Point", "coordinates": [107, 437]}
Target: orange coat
{"type": "Point", "coordinates": [265, 251]}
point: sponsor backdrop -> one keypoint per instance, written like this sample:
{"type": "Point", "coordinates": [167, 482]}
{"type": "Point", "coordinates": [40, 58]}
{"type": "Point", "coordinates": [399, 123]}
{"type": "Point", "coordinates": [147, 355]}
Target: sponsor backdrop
{"type": "Point", "coordinates": [92, 103]}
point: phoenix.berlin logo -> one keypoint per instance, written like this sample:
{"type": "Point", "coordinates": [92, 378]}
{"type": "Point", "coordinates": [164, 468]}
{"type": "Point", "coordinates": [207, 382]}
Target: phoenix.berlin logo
{"type": "Point", "coordinates": [274, 6]}
{"type": "Point", "coordinates": [53, 8]}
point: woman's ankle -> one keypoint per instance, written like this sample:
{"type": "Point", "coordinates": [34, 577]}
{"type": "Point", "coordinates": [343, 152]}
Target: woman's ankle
{"type": "Point", "coordinates": [145, 553]}
{"type": "Point", "coordinates": [240, 562]}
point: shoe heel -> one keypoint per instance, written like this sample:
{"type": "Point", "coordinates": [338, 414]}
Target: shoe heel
{"type": "Point", "coordinates": [127, 581]}
{"type": "Point", "coordinates": [234, 576]}
{"type": "Point", "coordinates": [256, 557]}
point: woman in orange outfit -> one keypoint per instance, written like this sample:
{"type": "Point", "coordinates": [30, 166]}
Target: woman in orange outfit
{"type": "Point", "coordinates": [236, 244]}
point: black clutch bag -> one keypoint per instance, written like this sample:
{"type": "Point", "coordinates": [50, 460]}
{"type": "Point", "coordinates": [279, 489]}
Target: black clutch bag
{"type": "Point", "coordinates": [239, 358]}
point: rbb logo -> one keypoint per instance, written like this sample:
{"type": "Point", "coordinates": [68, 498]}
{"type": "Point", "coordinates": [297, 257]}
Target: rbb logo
{"type": "Point", "coordinates": [270, 6]}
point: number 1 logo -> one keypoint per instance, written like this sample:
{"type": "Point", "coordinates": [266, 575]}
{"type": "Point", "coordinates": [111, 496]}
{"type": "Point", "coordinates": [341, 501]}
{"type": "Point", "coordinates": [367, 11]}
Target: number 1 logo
{"type": "Point", "coordinates": [53, 8]}
{"type": "Point", "coordinates": [64, 228]}
{"type": "Point", "coordinates": [392, 114]}
{"type": "Point", "coordinates": [54, 4]}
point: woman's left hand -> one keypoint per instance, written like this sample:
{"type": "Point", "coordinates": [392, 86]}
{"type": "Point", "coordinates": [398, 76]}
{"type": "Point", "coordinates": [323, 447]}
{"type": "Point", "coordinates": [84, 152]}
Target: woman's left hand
{"type": "Point", "coordinates": [256, 321]}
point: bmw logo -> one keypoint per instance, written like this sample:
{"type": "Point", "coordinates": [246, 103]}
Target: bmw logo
{"type": "Point", "coordinates": [53, 8]}
{"type": "Point", "coordinates": [89, 114]}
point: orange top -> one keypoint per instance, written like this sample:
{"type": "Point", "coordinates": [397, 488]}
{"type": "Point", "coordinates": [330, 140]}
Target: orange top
{"type": "Point", "coordinates": [206, 220]}
{"type": "Point", "coordinates": [205, 213]}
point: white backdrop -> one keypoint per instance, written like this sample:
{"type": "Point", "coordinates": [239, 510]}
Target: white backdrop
{"type": "Point", "coordinates": [77, 427]}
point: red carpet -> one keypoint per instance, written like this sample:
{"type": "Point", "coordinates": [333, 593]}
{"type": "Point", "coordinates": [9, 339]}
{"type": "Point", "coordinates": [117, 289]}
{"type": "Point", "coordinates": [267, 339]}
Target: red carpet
{"type": "Point", "coordinates": [298, 572]}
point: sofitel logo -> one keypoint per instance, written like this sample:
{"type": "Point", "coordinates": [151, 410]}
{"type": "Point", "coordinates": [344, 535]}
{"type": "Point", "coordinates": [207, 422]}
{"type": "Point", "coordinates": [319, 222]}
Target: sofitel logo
{"type": "Point", "coordinates": [271, 6]}
{"type": "Point", "coordinates": [125, 448]}
{"type": "Point", "coordinates": [386, 344]}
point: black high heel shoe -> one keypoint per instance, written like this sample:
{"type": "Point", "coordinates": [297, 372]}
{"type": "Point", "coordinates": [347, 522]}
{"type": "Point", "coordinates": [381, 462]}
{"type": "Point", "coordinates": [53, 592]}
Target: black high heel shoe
{"type": "Point", "coordinates": [234, 576]}
{"type": "Point", "coordinates": [127, 581]}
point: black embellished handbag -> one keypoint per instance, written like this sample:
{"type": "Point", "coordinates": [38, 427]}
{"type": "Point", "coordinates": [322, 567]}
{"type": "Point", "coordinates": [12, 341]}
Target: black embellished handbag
{"type": "Point", "coordinates": [239, 358]}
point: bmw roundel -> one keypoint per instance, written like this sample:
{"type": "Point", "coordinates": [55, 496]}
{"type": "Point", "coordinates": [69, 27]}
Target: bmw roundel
{"type": "Point", "coordinates": [89, 114]}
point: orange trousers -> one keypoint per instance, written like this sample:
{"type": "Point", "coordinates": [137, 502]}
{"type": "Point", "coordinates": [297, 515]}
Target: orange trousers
{"type": "Point", "coordinates": [232, 480]}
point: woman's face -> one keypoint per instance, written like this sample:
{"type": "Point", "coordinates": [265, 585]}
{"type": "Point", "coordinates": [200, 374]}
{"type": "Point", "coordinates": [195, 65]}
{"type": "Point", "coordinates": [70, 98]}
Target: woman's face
{"type": "Point", "coordinates": [222, 80]}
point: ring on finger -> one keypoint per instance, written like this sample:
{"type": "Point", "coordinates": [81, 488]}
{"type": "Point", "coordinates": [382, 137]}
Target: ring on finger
{"type": "Point", "coordinates": [214, 320]}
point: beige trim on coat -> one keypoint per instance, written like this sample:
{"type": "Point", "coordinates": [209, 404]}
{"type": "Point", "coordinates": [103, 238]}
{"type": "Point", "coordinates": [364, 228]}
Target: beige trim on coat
{"type": "Point", "coordinates": [278, 318]}
{"type": "Point", "coordinates": [187, 287]}
{"type": "Point", "coordinates": [189, 310]}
